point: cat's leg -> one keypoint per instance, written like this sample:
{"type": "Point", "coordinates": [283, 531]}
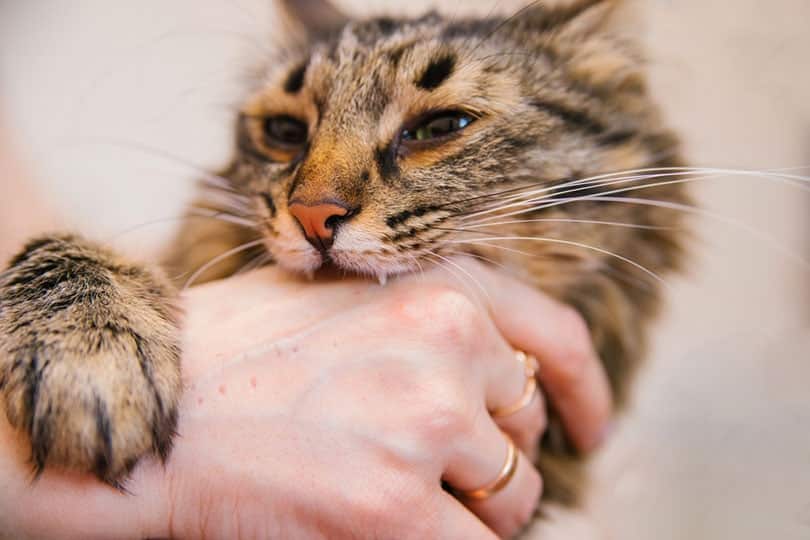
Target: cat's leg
{"type": "Point", "coordinates": [89, 357]}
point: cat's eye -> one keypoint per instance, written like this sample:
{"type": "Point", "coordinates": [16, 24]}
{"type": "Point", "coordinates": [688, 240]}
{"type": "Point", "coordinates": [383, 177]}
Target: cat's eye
{"type": "Point", "coordinates": [437, 126]}
{"type": "Point", "coordinates": [285, 132]}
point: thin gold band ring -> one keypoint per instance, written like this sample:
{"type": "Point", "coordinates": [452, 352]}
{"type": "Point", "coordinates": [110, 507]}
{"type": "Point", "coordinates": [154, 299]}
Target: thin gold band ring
{"type": "Point", "coordinates": [506, 474]}
{"type": "Point", "coordinates": [530, 367]}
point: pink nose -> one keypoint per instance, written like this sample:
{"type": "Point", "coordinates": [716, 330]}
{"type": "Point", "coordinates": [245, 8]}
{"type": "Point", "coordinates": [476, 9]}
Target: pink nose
{"type": "Point", "coordinates": [318, 221]}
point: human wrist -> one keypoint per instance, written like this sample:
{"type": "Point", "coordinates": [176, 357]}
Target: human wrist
{"type": "Point", "coordinates": [60, 504]}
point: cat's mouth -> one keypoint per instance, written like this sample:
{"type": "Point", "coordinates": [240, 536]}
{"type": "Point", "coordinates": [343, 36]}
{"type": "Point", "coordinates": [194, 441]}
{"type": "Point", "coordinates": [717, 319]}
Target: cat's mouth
{"type": "Point", "coordinates": [354, 251]}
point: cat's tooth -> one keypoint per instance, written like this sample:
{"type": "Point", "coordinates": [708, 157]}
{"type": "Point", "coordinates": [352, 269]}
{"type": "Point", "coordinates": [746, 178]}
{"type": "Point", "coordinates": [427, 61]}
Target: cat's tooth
{"type": "Point", "coordinates": [382, 277]}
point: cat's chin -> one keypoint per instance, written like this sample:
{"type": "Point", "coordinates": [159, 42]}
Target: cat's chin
{"type": "Point", "coordinates": [341, 264]}
{"type": "Point", "coordinates": [380, 267]}
{"type": "Point", "coordinates": [299, 261]}
{"type": "Point", "coordinates": [355, 252]}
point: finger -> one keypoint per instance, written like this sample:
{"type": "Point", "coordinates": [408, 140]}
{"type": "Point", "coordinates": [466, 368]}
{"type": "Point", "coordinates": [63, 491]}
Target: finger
{"type": "Point", "coordinates": [570, 371]}
{"type": "Point", "coordinates": [478, 461]}
{"type": "Point", "coordinates": [511, 387]}
{"type": "Point", "coordinates": [509, 511]}
{"type": "Point", "coordinates": [458, 522]}
{"type": "Point", "coordinates": [526, 424]}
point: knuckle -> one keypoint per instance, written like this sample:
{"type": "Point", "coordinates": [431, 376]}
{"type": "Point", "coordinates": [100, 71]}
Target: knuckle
{"type": "Point", "coordinates": [438, 308]}
{"type": "Point", "coordinates": [448, 302]}
{"type": "Point", "coordinates": [449, 416]}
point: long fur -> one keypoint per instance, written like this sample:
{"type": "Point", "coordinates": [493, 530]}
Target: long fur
{"type": "Point", "coordinates": [558, 101]}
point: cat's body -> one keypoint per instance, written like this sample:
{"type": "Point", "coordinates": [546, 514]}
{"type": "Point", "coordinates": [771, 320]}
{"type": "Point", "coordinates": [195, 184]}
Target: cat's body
{"type": "Point", "coordinates": [375, 146]}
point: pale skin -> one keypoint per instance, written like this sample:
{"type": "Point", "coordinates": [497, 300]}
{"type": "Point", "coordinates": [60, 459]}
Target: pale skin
{"type": "Point", "coordinates": [336, 409]}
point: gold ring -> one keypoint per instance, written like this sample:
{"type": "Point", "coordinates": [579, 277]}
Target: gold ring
{"type": "Point", "coordinates": [506, 474]}
{"type": "Point", "coordinates": [530, 367]}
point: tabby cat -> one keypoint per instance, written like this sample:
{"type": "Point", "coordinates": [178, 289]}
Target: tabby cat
{"type": "Point", "coordinates": [372, 146]}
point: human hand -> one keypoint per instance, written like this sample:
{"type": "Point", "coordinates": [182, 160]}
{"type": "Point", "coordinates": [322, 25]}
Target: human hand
{"type": "Point", "coordinates": [334, 409]}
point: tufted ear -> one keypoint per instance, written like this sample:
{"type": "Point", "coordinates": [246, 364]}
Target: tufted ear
{"type": "Point", "coordinates": [598, 41]}
{"type": "Point", "coordinates": [315, 17]}
{"type": "Point", "coordinates": [580, 19]}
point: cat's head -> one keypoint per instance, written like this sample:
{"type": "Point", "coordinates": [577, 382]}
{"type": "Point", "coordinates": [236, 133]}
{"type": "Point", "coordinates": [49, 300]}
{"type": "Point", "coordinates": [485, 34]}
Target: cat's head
{"type": "Point", "coordinates": [380, 144]}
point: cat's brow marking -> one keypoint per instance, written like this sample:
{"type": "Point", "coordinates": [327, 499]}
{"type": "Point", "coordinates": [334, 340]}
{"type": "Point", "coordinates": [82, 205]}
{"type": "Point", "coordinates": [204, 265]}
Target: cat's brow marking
{"type": "Point", "coordinates": [437, 71]}
{"type": "Point", "coordinates": [295, 80]}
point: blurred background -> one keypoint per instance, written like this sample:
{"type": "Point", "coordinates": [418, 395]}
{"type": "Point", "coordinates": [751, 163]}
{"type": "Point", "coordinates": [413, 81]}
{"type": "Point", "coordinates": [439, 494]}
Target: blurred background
{"type": "Point", "coordinates": [113, 106]}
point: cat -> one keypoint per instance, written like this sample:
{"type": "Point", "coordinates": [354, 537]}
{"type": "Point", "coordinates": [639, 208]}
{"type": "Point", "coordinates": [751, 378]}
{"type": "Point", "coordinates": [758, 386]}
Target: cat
{"type": "Point", "coordinates": [373, 145]}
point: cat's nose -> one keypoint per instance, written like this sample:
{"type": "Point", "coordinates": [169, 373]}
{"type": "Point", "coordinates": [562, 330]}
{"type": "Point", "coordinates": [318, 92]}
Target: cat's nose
{"type": "Point", "coordinates": [319, 220]}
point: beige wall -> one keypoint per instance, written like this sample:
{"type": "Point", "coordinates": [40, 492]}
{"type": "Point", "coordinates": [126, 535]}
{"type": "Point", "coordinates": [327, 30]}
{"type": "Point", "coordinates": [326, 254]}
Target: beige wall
{"type": "Point", "coordinates": [718, 445]}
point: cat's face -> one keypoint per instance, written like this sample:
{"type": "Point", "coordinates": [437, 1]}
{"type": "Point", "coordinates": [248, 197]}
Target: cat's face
{"type": "Point", "coordinates": [375, 149]}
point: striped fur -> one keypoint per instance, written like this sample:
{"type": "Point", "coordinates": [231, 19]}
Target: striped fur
{"type": "Point", "coordinates": [559, 93]}
{"type": "Point", "coordinates": [554, 95]}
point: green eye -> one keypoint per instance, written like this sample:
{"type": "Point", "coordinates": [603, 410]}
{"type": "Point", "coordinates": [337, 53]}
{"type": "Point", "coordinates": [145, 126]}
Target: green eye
{"type": "Point", "coordinates": [438, 126]}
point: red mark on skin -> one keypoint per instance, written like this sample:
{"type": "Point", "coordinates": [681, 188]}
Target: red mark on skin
{"type": "Point", "coordinates": [199, 401]}
{"type": "Point", "coordinates": [222, 389]}
{"type": "Point", "coordinates": [253, 382]}
{"type": "Point", "coordinates": [295, 349]}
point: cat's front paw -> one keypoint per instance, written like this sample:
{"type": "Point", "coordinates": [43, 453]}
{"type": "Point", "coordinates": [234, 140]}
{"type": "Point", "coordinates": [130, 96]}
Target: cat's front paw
{"type": "Point", "coordinates": [89, 357]}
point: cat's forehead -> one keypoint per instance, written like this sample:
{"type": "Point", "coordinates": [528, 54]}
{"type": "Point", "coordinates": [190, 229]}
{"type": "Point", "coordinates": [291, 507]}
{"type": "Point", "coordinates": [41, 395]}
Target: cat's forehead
{"type": "Point", "coordinates": [385, 65]}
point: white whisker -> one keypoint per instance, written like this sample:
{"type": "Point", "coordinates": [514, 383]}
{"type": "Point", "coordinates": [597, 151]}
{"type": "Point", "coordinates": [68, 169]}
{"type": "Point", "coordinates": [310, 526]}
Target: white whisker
{"type": "Point", "coordinates": [566, 220]}
{"type": "Point", "coordinates": [517, 199]}
{"type": "Point", "coordinates": [212, 179]}
{"type": "Point", "coordinates": [488, 240]}
{"type": "Point", "coordinates": [533, 200]}
{"type": "Point", "coordinates": [215, 260]}
{"type": "Point", "coordinates": [554, 201]}
{"type": "Point", "coordinates": [771, 241]}
{"type": "Point", "coordinates": [223, 216]}
{"type": "Point", "coordinates": [463, 272]}
{"type": "Point", "coordinates": [194, 214]}
{"type": "Point", "coordinates": [256, 262]}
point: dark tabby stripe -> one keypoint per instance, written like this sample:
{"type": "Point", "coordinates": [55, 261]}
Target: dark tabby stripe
{"type": "Point", "coordinates": [574, 117]}
{"type": "Point", "coordinates": [581, 120]}
{"type": "Point", "coordinates": [268, 201]}
{"type": "Point", "coordinates": [295, 80]}
{"type": "Point", "coordinates": [394, 220]}
{"type": "Point", "coordinates": [437, 71]}
{"type": "Point", "coordinates": [386, 162]}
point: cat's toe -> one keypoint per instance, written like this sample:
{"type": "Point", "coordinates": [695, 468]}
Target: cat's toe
{"type": "Point", "coordinates": [89, 357]}
{"type": "Point", "coordinates": [99, 413]}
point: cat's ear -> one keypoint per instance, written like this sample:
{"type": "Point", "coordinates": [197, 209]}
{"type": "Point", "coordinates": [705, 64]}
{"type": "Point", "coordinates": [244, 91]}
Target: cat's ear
{"type": "Point", "coordinates": [317, 18]}
{"type": "Point", "coordinates": [575, 20]}
{"type": "Point", "coordinates": [599, 41]}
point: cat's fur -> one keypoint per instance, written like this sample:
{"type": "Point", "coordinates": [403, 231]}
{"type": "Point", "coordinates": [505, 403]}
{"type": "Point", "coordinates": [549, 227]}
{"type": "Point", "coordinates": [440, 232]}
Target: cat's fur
{"type": "Point", "coordinates": [88, 342]}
